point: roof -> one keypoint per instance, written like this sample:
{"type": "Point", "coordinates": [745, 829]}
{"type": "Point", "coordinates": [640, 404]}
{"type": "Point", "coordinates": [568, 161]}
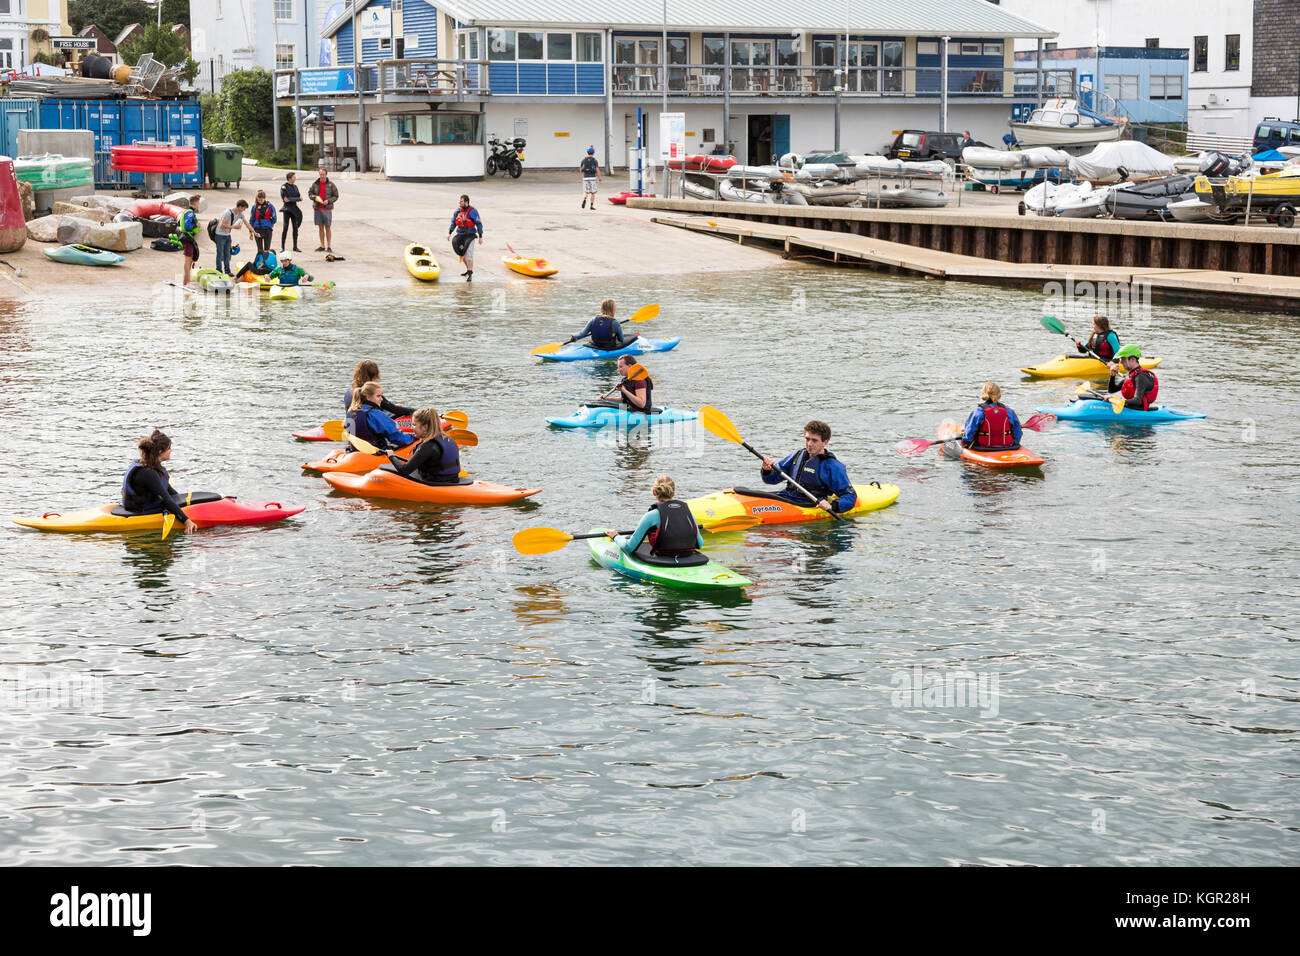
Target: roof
{"type": "Point", "coordinates": [952, 18]}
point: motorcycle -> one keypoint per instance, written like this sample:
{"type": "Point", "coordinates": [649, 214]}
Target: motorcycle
{"type": "Point", "coordinates": [506, 157]}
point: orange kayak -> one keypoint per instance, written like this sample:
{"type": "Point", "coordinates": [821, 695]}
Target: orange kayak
{"type": "Point", "coordinates": [355, 462]}
{"type": "Point", "coordinates": [1011, 458]}
{"type": "Point", "coordinates": [393, 487]}
{"type": "Point", "coordinates": [527, 266]}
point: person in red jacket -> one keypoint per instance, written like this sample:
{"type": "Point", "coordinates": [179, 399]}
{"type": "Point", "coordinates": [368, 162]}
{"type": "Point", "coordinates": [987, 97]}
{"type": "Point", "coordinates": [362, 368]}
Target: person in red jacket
{"type": "Point", "coordinates": [1139, 385]}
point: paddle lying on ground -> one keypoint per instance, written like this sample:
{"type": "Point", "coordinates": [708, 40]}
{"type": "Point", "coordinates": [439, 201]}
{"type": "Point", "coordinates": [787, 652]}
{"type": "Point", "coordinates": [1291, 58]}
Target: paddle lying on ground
{"type": "Point", "coordinates": [914, 446]}
{"type": "Point", "coordinates": [545, 540]}
{"type": "Point", "coordinates": [721, 425]}
{"type": "Point", "coordinates": [635, 374]}
{"type": "Point", "coordinates": [1053, 324]}
{"type": "Point", "coordinates": [643, 314]}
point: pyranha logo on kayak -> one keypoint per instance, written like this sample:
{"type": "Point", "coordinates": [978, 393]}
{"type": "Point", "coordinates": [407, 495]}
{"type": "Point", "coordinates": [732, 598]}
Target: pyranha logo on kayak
{"type": "Point", "coordinates": [102, 909]}
{"type": "Point", "coordinates": [759, 509]}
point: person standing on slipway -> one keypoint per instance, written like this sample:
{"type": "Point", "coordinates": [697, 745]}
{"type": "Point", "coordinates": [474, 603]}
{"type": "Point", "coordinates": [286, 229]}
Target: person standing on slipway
{"type": "Point", "coordinates": [465, 225]}
{"type": "Point", "coordinates": [590, 168]}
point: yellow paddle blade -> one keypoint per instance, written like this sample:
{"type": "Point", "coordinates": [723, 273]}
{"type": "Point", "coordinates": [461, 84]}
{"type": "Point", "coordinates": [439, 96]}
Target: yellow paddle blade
{"type": "Point", "coordinates": [361, 446]}
{"type": "Point", "coordinates": [456, 417]}
{"type": "Point", "coordinates": [168, 520]}
{"type": "Point", "coordinates": [719, 424]}
{"type": "Point", "coordinates": [645, 313]}
{"type": "Point", "coordinates": [463, 474]}
{"type": "Point", "coordinates": [333, 430]}
{"type": "Point", "coordinates": [1085, 387]}
{"type": "Point", "coordinates": [547, 349]}
{"type": "Point", "coordinates": [540, 540]}
{"type": "Point", "coordinates": [734, 523]}
{"type": "Point", "coordinates": [1117, 403]}
{"type": "Point", "coordinates": [463, 437]}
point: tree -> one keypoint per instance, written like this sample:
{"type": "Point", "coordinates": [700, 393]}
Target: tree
{"type": "Point", "coordinates": [244, 107]}
{"type": "Point", "coordinates": [167, 47]}
{"type": "Point", "coordinates": [175, 11]}
{"type": "Point", "coordinates": [109, 15]}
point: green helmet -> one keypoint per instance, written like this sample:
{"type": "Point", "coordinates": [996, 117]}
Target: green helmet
{"type": "Point", "coordinates": [1129, 351]}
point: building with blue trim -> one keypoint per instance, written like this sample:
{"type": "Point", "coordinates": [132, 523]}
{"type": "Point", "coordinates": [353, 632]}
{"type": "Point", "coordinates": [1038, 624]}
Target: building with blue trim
{"type": "Point", "coordinates": [1149, 84]}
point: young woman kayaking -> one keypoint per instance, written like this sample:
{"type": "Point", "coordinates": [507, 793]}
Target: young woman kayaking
{"type": "Point", "coordinates": [368, 371]}
{"type": "Point", "coordinates": [605, 331]}
{"type": "Point", "coordinates": [146, 487]}
{"type": "Point", "coordinates": [435, 460]}
{"type": "Point", "coordinates": [991, 426]}
{"type": "Point", "coordinates": [1102, 341]}
{"type": "Point", "coordinates": [667, 528]}
{"type": "Point", "coordinates": [368, 421]}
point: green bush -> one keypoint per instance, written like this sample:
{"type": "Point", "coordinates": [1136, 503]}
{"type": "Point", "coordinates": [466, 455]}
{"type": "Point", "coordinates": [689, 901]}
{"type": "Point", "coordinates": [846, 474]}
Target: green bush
{"type": "Point", "coordinates": [241, 113]}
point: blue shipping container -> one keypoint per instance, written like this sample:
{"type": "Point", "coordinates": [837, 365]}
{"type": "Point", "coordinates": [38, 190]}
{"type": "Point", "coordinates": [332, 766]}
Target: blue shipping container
{"type": "Point", "coordinates": [16, 115]}
{"type": "Point", "coordinates": [122, 122]}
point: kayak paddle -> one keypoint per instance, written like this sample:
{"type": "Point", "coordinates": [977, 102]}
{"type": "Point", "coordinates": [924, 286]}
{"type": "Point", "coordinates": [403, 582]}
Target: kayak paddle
{"type": "Point", "coordinates": [368, 449]}
{"type": "Point", "coordinates": [1053, 324]}
{"type": "Point", "coordinates": [169, 519]}
{"type": "Point", "coordinates": [334, 429]}
{"type": "Point", "coordinates": [545, 540]}
{"type": "Point", "coordinates": [721, 425]}
{"type": "Point", "coordinates": [1116, 400]}
{"type": "Point", "coordinates": [1040, 422]}
{"type": "Point", "coordinates": [643, 314]}
{"type": "Point", "coordinates": [635, 374]}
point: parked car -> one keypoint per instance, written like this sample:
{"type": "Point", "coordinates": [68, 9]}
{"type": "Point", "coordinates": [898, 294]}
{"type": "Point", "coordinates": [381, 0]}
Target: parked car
{"type": "Point", "coordinates": [1273, 132]}
{"type": "Point", "coordinates": [925, 144]}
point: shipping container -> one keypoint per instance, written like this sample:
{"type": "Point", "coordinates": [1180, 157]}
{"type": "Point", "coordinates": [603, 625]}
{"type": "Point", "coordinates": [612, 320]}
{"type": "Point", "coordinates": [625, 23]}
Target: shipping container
{"type": "Point", "coordinates": [16, 115]}
{"type": "Point", "coordinates": [123, 122]}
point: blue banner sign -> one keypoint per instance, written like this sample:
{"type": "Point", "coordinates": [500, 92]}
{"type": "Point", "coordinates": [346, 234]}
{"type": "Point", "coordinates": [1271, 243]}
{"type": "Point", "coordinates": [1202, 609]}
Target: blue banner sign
{"type": "Point", "coordinates": [319, 82]}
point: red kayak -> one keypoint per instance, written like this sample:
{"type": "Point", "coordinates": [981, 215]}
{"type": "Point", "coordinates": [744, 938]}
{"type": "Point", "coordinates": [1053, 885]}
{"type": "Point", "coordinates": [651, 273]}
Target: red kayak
{"type": "Point", "coordinates": [703, 164]}
{"type": "Point", "coordinates": [207, 511]}
{"type": "Point", "coordinates": [620, 199]}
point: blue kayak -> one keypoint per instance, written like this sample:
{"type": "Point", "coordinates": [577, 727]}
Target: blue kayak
{"type": "Point", "coordinates": [601, 414]}
{"type": "Point", "coordinates": [573, 352]}
{"type": "Point", "coordinates": [1092, 410]}
{"type": "Point", "coordinates": [80, 255]}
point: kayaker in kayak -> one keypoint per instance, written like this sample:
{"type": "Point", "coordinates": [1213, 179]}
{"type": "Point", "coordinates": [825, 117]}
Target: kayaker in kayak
{"type": "Point", "coordinates": [636, 395]}
{"type": "Point", "coordinates": [992, 426]}
{"type": "Point", "coordinates": [1102, 341]}
{"type": "Point", "coordinates": [605, 331]}
{"type": "Point", "coordinates": [368, 371]}
{"type": "Point", "coordinates": [436, 459]}
{"type": "Point", "coordinates": [286, 273]}
{"type": "Point", "coordinates": [263, 264]}
{"type": "Point", "coordinates": [1138, 385]}
{"type": "Point", "coordinates": [816, 469]}
{"type": "Point", "coordinates": [367, 421]}
{"type": "Point", "coordinates": [146, 487]}
{"type": "Point", "coordinates": [668, 528]}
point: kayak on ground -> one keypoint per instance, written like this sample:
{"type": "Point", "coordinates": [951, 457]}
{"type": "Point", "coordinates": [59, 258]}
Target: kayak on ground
{"type": "Point", "coordinates": [210, 280]}
{"type": "Point", "coordinates": [1077, 366]}
{"type": "Point", "coordinates": [1094, 410]}
{"type": "Point", "coordinates": [697, 572]}
{"type": "Point", "coordinates": [209, 509]}
{"type": "Point", "coordinates": [1008, 458]}
{"type": "Point", "coordinates": [391, 486]}
{"type": "Point", "coordinates": [770, 509]}
{"type": "Point", "coordinates": [574, 352]}
{"type": "Point", "coordinates": [421, 263]}
{"type": "Point", "coordinates": [79, 255]}
{"type": "Point", "coordinates": [530, 266]}
{"type": "Point", "coordinates": [599, 414]}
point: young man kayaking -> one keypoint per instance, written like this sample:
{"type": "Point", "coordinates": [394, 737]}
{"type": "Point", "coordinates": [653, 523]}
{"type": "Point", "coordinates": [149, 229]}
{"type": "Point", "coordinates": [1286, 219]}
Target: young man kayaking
{"type": "Point", "coordinates": [636, 394]}
{"type": "Point", "coordinates": [668, 527]}
{"type": "Point", "coordinates": [991, 426]}
{"type": "Point", "coordinates": [605, 331]}
{"type": "Point", "coordinates": [1138, 385]}
{"type": "Point", "coordinates": [816, 469]}
{"type": "Point", "coordinates": [286, 273]}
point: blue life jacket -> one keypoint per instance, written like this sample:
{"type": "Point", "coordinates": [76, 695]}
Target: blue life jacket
{"type": "Point", "coordinates": [449, 468]}
{"type": "Point", "coordinates": [263, 215]}
{"type": "Point", "coordinates": [605, 332]}
{"type": "Point", "coordinates": [190, 223]}
{"type": "Point", "coordinates": [677, 532]}
{"type": "Point", "coordinates": [807, 472]}
{"type": "Point", "coordinates": [131, 500]}
{"type": "Point", "coordinates": [264, 262]}
{"type": "Point", "coordinates": [358, 423]}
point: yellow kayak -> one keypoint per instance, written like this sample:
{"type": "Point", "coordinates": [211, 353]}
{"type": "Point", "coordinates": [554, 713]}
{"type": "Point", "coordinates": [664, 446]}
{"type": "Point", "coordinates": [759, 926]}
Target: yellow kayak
{"type": "Point", "coordinates": [529, 266]}
{"type": "Point", "coordinates": [1082, 366]}
{"type": "Point", "coordinates": [768, 509]}
{"type": "Point", "coordinates": [291, 292]}
{"type": "Point", "coordinates": [421, 263]}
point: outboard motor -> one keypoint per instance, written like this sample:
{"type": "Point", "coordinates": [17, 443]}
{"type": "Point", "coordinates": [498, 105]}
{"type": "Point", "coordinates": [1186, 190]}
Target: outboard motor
{"type": "Point", "coordinates": [1214, 163]}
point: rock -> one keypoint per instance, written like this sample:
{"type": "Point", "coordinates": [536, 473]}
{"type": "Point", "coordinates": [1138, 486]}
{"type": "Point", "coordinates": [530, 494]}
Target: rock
{"type": "Point", "coordinates": [28, 198]}
{"type": "Point", "coordinates": [183, 200]}
{"type": "Point", "coordinates": [73, 229]}
{"type": "Point", "coordinates": [100, 201]}
{"type": "Point", "coordinates": [44, 229]}
{"type": "Point", "coordinates": [82, 212]}
{"type": "Point", "coordinates": [116, 237]}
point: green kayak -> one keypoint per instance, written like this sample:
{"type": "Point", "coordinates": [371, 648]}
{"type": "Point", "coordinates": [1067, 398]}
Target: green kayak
{"type": "Point", "coordinates": [708, 575]}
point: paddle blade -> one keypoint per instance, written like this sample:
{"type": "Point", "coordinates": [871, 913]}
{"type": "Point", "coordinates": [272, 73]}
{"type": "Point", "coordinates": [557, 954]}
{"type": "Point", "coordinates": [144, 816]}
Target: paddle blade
{"type": "Point", "coordinates": [457, 418]}
{"type": "Point", "coordinates": [362, 446]}
{"type": "Point", "coordinates": [734, 523]}
{"type": "Point", "coordinates": [168, 520]}
{"type": "Point", "coordinates": [463, 437]}
{"type": "Point", "coordinates": [636, 373]}
{"type": "Point", "coordinates": [912, 446]}
{"type": "Point", "coordinates": [719, 424]}
{"type": "Point", "coordinates": [547, 349]}
{"type": "Point", "coordinates": [540, 540]}
{"type": "Point", "coordinates": [1053, 324]}
{"type": "Point", "coordinates": [947, 431]}
{"type": "Point", "coordinates": [1117, 404]}
{"type": "Point", "coordinates": [645, 313]}
{"type": "Point", "coordinates": [1040, 422]}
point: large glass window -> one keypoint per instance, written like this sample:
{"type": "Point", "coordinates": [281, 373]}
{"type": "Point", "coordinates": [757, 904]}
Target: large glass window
{"type": "Point", "coordinates": [891, 55]}
{"type": "Point", "coordinates": [589, 48]}
{"type": "Point", "coordinates": [787, 57]}
{"type": "Point", "coordinates": [501, 44]}
{"type": "Point", "coordinates": [677, 50]}
{"type": "Point", "coordinates": [529, 45]}
{"type": "Point", "coordinates": [6, 54]}
{"type": "Point", "coordinates": [467, 45]}
{"type": "Point", "coordinates": [1200, 54]}
{"type": "Point", "coordinates": [559, 46]}
{"type": "Point", "coordinates": [825, 58]}
{"type": "Point", "coordinates": [428, 129]}
{"type": "Point", "coordinates": [863, 62]}
{"type": "Point", "coordinates": [1121, 86]}
{"type": "Point", "coordinates": [1232, 52]}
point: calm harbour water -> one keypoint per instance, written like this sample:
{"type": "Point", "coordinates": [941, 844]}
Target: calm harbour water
{"type": "Point", "coordinates": [1091, 665]}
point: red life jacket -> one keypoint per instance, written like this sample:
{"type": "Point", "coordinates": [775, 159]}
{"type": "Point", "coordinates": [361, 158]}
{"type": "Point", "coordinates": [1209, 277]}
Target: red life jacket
{"type": "Point", "coordinates": [462, 219]}
{"type": "Point", "coordinates": [995, 431]}
{"type": "Point", "coordinates": [1100, 343]}
{"type": "Point", "coordinates": [1129, 388]}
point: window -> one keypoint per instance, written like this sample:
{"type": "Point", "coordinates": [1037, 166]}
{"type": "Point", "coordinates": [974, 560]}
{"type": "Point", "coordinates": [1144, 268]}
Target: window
{"type": "Point", "coordinates": [501, 44]}
{"type": "Point", "coordinates": [970, 49]}
{"type": "Point", "coordinates": [467, 45]}
{"type": "Point", "coordinates": [1120, 86]}
{"type": "Point", "coordinates": [1200, 54]}
{"type": "Point", "coordinates": [927, 47]}
{"type": "Point", "coordinates": [824, 57]}
{"type": "Point", "coordinates": [285, 56]}
{"type": "Point", "coordinates": [529, 45]}
{"type": "Point", "coordinates": [6, 54]}
{"type": "Point", "coordinates": [1153, 43]}
{"type": "Point", "coordinates": [1049, 46]}
{"type": "Point", "coordinates": [1167, 87]}
{"type": "Point", "coordinates": [993, 49]}
{"type": "Point", "coordinates": [428, 129]}
{"type": "Point", "coordinates": [283, 9]}
{"type": "Point", "coordinates": [589, 48]}
{"type": "Point", "coordinates": [559, 46]}
{"type": "Point", "coordinates": [891, 55]}
{"type": "Point", "coordinates": [1232, 52]}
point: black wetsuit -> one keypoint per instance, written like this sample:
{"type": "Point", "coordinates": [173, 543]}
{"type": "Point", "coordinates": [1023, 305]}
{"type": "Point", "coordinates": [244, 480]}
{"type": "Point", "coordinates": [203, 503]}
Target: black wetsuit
{"type": "Point", "coordinates": [150, 493]}
{"type": "Point", "coordinates": [434, 462]}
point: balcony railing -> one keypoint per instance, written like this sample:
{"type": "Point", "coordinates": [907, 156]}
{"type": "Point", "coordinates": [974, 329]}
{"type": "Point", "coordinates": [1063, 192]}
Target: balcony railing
{"type": "Point", "coordinates": [453, 79]}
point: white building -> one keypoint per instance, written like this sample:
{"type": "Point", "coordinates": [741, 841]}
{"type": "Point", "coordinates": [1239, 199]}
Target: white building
{"type": "Point", "coordinates": [1218, 35]}
{"type": "Point", "coordinates": [18, 20]}
{"type": "Point", "coordinates": [228, 35]}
